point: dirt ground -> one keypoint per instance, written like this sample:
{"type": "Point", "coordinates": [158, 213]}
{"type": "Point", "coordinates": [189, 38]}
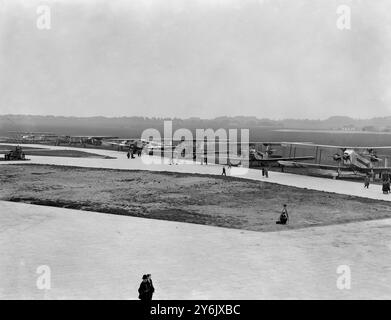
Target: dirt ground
{"type": "Point", "coordinates": [209, 200]}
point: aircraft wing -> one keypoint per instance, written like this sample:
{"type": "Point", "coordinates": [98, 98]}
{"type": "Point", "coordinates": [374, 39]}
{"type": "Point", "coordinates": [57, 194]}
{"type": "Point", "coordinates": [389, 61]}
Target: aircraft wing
{"type": "Point", "coordinates": [123, 139]}
{"type": "Point", "coordinates": [94, 137]}
{"type": "Point", "coordinates": [113, 143]}
{"type": "Point", "coordinates": [295, 164]}
{"type": "Point", "coordinates": [287, 159]}
{"type": "Point", "coordinates": [306, 144]}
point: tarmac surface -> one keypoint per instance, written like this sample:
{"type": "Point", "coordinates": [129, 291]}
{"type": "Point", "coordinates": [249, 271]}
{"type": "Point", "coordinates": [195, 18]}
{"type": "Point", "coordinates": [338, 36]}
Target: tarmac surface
{"type": "Point", "coordinates": [98, 256]}
{"type": "Point", "coordinates": [92, 255]}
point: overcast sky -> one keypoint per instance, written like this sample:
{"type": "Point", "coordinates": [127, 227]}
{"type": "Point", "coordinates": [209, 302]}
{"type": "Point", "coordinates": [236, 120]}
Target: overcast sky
{"type": "Point", "coordinates": [205, 58]}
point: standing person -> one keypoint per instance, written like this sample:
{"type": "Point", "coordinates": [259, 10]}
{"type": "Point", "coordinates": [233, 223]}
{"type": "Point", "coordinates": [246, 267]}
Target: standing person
{"type": "Point", "coordinates": [263, 171]}
{"type": "Point", "coordinates": [224, 173]}
{"type": "Point", "coordinates": [384, 187]}
{"type": "Point", "coordinates": [383, 177]}
{"type": "Point", "coordinates": [366, 181]}
{"type": "Point", "coordinates": [128, 154]}
{"type": "Point", "coordinates": [144, 291]}
{"type": "Point", "coordinates": [152, 289]}
{"type": "Point", "coordinates": [386, 183]}
{"type": "Point", "coordinates": [284, 217]}
{"type": "Point", "coordinates": [266, 172]}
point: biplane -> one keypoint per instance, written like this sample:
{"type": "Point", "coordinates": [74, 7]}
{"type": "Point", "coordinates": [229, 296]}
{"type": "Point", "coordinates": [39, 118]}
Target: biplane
{"type": "Point", "coordinates": [341, 159]}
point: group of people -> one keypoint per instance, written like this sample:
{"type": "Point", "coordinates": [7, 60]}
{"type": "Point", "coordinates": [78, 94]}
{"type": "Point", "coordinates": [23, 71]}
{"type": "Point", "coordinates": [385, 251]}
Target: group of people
{"type": "Point", "coordinates": [131, 152]}
{"type": "Point", "coordinates": [386, 181]}
{"type": "Point", "coordinates": [146, 289]}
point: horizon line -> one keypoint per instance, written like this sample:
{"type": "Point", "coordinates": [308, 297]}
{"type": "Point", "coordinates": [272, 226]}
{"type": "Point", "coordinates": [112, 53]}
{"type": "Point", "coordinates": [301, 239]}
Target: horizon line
{"type": "Point", "coordinates": [189, 118]}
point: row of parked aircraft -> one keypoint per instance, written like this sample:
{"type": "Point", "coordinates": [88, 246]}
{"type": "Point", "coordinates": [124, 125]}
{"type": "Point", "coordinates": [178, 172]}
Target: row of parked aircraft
{"type": "Point", "coordinates": [336, 159]}
{"type": "Point", "coordinates": [296, 155]}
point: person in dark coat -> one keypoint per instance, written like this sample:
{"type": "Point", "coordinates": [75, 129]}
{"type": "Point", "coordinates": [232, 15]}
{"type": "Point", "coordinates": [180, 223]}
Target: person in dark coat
{"type": "Point", "coordinates": [144, 291]}
{"type": "Point", "coordinates": [224, 173]}
{"type": "Point", "coordinates": [366, 181]}
{"type": "Point", "coordinates": [128, 154]}
{"type": "Point", "coordinates": [152, 289]}
{"type": "Point", "coordinates": [384, 187]}
{"type": "Point", "coordinates": [386, 183]}
{"type": "Point", "coordinates": [266, 172]}
{"type": "Point", "coordinates": [284, 217]}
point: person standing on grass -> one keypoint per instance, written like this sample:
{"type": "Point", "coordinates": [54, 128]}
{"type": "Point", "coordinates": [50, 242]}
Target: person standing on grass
{"type": "Point", "coordinates": [284, 217]}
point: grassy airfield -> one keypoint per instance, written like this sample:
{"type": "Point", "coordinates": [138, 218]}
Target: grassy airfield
{"type": "Point", "coordinates": [203, 199]}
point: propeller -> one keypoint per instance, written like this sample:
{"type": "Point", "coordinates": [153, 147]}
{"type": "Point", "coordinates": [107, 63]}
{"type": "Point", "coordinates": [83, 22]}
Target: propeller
{"type": "Point", "coordinates": [337, 157]}
{"type": "Point", "coordinates": [373, 156]}
{"type": "Point", "coordinates": [346, 157]}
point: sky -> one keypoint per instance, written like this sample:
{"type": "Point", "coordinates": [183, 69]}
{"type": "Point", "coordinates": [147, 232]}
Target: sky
{"type": "Point", "coordinates": [196, 58]}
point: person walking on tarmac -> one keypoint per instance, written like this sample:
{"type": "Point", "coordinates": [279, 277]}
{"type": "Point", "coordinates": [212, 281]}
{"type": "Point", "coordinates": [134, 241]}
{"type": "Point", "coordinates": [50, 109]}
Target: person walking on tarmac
{"type": "Point", "coordinates": [386, 183]}
{"type": "Point", "coordinates": [266, 172]}
{"type": "Point", "coordinates": [128, 154]}
{"type": "Point", "coordinates": [366, 181]}
{"type": "Point", "coordinates": [152, 289]}
{"type": "Point", "coordinates": [224, 173]}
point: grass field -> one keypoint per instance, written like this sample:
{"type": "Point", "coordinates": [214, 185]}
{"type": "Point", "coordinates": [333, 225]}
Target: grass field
{"type": "Point", "coordinates": [210, 200]}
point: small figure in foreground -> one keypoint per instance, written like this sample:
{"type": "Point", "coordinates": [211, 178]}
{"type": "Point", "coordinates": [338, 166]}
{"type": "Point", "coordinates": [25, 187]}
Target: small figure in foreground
{"type": "Point", "coordinates": [151, 284]}
{"type": "Point", "coordinates": [284, 217]}
{"type": "Point", "coordinates": [224, 173]}
{"type": "Point", "coordinates": [128, 154]}
{"type": "Point", "coordinates": [146, 289]}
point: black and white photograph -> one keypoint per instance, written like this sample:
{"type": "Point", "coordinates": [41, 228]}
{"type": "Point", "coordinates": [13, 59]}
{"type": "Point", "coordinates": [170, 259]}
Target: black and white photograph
{"type": "Point", "coordinates": [195, 150]}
